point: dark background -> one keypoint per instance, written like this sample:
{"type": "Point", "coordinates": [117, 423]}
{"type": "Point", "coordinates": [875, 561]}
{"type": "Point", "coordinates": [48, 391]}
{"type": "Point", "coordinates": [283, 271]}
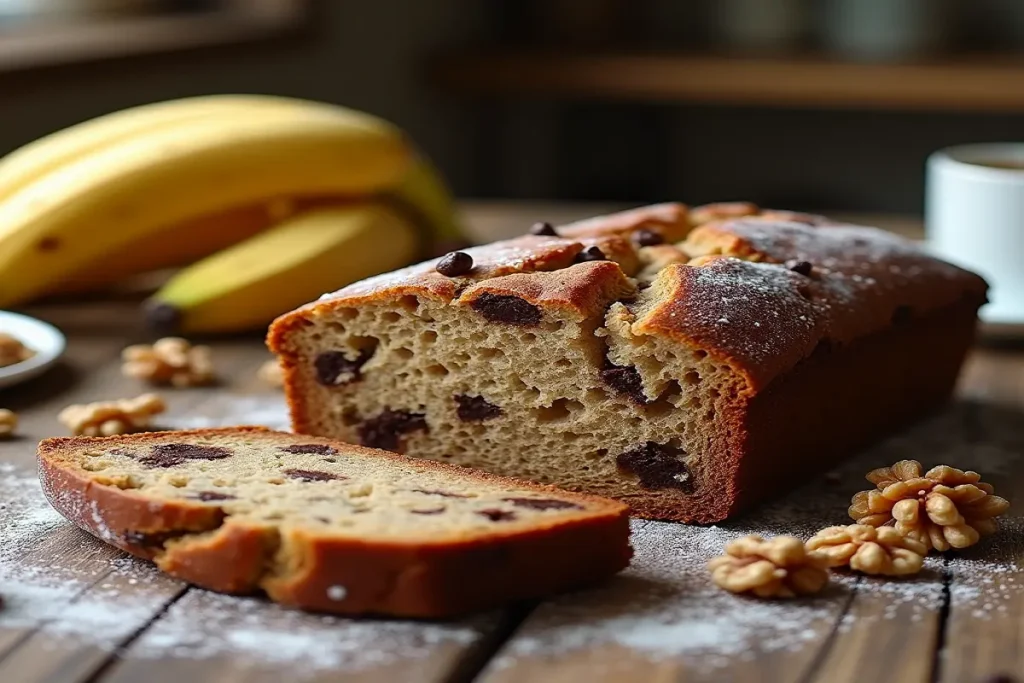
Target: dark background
{"type": "Point", "coordinates": [382, 56]}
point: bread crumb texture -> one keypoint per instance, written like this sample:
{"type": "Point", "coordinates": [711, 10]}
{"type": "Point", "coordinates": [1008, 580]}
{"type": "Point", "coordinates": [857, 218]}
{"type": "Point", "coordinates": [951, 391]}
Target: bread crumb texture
{"type": "Point", "coordinates": [633, 375]}
{"type": "Point", "coordinates": [325, 524]}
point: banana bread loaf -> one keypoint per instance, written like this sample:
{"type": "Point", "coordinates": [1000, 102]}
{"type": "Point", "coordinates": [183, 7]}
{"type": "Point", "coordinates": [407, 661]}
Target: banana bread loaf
{"type": "Point", "coordinates": [331, 526]}
{"type": "Point", "coordinates": [688, 362]}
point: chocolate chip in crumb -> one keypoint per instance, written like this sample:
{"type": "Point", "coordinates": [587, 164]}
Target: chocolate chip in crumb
{"type": "Point", "coordinates": [657, 466]}
{"type": "Point", "coordinates": [902, 315]}
{"type": "Point", "coordinates": [312, 475]}
{"type": "Point", "coordinates": [208, 496]}
{"type": "Point", "coordinates": [454, 264]}
{"type": "Point", "coordinates": [150, 539]}
{"type": "Point", "coordinates": [476, 408]}
{"type": "Point", "coordinates": [803, 267]}
{"type": "Point", "coordinates": [544, 230]}
{"type": "Point", "coordinates": [543, 503]}
{"type": "Point", "coordinates": [504, 308]}
{"type": "Point", "coordinates": [334, 369]}
{"type": "Point", "coordinates": [648, 238]}
{"type": "Point", "coordinates": [309, 448]}
{"type": "Point", "coordinates": [386, 429]}
{"type": "Point", "coordinates": [171, 454]}
{"type": "Point", "coordinates": [496, 515]}
{"type": "Point", "coordinates": [625, 380]}
{"type": "Point", "coordinates": [591, 254]}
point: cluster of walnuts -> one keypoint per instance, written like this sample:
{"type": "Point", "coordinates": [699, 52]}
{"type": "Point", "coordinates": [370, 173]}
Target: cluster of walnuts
{"type": "Point", "coordinates": [170, 361]}
{"type": "Point", "coordinates": [907, 515]}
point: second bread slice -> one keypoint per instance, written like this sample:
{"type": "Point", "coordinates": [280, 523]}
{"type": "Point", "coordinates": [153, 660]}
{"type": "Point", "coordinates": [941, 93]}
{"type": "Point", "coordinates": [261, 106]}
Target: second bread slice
{"type": "Point", "coordinates": [329, 526]}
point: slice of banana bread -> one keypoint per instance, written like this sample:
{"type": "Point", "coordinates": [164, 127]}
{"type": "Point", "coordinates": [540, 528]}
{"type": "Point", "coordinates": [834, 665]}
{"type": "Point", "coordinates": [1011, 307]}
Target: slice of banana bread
{"type": "Point", "coordinates": [689, 362]}
{"type": "Point", "coordinates": [330, 526]}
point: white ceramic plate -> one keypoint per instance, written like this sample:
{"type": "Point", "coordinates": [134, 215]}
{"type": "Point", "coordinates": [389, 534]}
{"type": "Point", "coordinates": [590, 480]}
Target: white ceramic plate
{"type": "Point", "coordinates": [43, 338]}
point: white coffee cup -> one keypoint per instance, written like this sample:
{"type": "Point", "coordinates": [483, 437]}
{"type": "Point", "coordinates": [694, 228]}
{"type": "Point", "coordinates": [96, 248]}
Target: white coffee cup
{"type": "Point", "coordinates": [974, 217]}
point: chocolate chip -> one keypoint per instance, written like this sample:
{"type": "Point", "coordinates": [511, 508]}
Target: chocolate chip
{"type": "Point", "coordinates": [476, 408]}
{"type": "Point", "coordinates": [171, 454]}
{"type": "Point", "coordinates": [496, 515]}
{"type": "Point", "coordinates": [443, 494]}
{"type": "Point", "coordinates": [384, 430]}
{"type": "Point", "coordinates": [902, 315]}
{"type": "Point", "coordinates": [334, 369]}
{"type": "Point", "coordinates": [803, 267]}
{"type": "Point", "coordinates": [503, 308]}
{"type": "Point", "coordinates": [435, 511]}
{"type": "Point", "coordinates": [207, 496]}
{"type": "Point", "coordinates": [543, 503]}
{"type": "Point", "coordinates": [648, 238]}
{"type": "Point", "coordinates": [625, 380]}
{"type": "Point", "coordinates": [543, 229]}
{"type": "Point", "coordinates": [154, 539]}
{"type": "Point", "coordinates": [310, 448]}
{"type": "Point", "coordinates": [591, 254]}
{"type": "Point", "coordinates": [454, 264]}
{"type": "Point", "coordinates": [657, 466]}
{"type": "Point", "coordinates": [312, 475]}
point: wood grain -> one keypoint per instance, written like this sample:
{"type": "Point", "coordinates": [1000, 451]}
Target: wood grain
{"type": "Point", "coordinates": [964, 83]}
{"type": "Point", "coordinates": [984, 635]}
{"type": "Point", "coordinates": [862, 629]}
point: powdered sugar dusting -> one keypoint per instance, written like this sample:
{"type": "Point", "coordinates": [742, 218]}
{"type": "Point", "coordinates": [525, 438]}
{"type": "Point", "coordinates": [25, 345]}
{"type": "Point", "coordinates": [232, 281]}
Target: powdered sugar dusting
{"type": "Point", "coordinates": [78, 590]}
{"type": "Point", "coordinates": [665, 606]}
{"type": "Point", "coordinates": [70, 590]}
{"type": "Point", "coordinates": [267, 411]}
{"type": "Point", "coordinates": [204, 625]}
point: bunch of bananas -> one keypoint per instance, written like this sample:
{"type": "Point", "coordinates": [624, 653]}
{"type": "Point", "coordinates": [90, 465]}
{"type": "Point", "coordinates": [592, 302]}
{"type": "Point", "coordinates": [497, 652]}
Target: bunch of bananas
{"type": "Point", "coordinates": [267, 201]}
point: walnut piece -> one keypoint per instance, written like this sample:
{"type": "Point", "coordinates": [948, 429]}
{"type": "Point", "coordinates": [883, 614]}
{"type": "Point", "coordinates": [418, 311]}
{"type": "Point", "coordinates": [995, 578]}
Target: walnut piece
{"type": "Point", "coordinates": [170, 360]}
{"type": "Point", "coordinates": [943, 508]}
{"type": "Point", "coordinates": [869, 550]}
{"type": "Point", "coordinates": [13, 351]}
{"type": "Point", "coordinates": [8, 422]}
{"type": "Point", "coordinates": [271, 373]}
{"type": "Point", "coordinates": [106, 418]}
{"type": "Point", "coordinates": [777, 568]}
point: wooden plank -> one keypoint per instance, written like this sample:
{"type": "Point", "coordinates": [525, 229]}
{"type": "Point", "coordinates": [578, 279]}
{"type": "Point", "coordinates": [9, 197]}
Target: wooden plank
{"type": "Point", "coordinates": [72, 599]}
{"type": "Point", "coordinates": [210, 637]}
{"type": "Point", "coordinates": [671, 624]}
{"type": "Point", "coordinates": [103, 38]}
{"type": "Point", "coordinates": [984, 634]}
{"type": "Point", "coordinates": [961, 83]}
{"type": "Point", "coordinates": [662, 620]}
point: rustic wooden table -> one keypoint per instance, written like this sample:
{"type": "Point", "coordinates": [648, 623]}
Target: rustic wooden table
{"type": "Point", "coordinates": [79, 611]}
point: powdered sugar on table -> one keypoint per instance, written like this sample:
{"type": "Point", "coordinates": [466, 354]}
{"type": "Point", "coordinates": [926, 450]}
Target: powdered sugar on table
{"type": "Point", "coordinates": [76, 589]}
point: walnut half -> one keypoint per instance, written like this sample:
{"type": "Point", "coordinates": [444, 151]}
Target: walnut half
{"type": "Point", "coordinates": [943, 508]}
{"type": "Point", "coordinates": [777, 568]}
{"type": "Point", "coordinates": [869, 550]}
{"type": "Point", "coordinates": [112, 417]}
{"type": "Point", "coordinates": [8, 422]}
{"type": "Point", "coordinates": [170, 360]}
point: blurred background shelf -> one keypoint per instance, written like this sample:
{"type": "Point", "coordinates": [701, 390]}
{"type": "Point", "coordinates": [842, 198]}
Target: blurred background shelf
{"type": "Point", "coordinates": [958, 83]}
{"type": "Point", "coordinates": [39, 42]}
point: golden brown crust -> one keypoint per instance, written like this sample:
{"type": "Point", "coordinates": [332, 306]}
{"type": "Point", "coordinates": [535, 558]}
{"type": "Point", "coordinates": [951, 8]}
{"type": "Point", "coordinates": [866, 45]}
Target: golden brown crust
{"type": "Point", "coordinates": [199, 543]}
{"type": "Point", "coordinates": [775, 295]}
{"type": "Point", "coordinates": [672, 221]}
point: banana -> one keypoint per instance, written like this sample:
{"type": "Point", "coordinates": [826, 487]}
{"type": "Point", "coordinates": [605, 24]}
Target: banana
{"type": "Point", "coordinates": [34, 160]}
{"type": "Point", "coordinates": [184, 243]}
{"type": "Point", "coordinates": [248, 285]}
{"type": "Point", "coordinates": [424, 194]}
{"type": "Point", "coordinates": [112, 196]}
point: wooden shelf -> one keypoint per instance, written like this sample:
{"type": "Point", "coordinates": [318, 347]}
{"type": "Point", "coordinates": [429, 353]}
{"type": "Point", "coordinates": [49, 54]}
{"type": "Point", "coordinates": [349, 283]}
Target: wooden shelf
{"type": "Point", "coordinates": [962, 83]}
{"type": "Point", "coordinates": [25, 47]}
